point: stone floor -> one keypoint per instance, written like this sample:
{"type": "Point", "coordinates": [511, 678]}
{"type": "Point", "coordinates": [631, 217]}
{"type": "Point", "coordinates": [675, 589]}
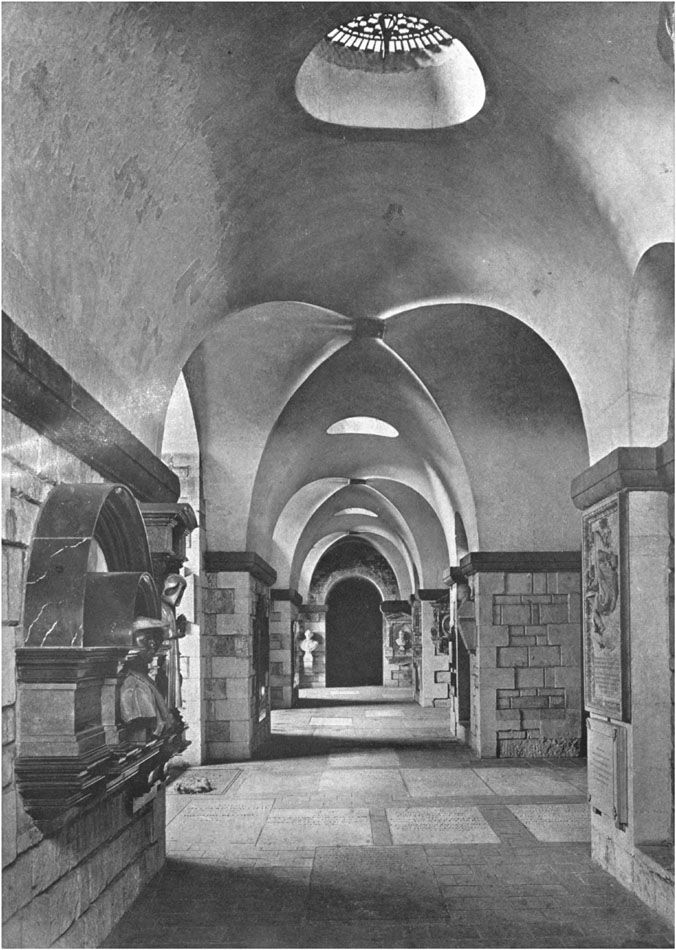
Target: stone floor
{"type": "Point", "coordinates": [368, 827]}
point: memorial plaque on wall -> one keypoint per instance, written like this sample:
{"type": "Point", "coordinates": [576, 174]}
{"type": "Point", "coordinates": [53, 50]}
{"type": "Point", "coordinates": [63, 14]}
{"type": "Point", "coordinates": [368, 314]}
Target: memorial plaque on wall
{"type": "Point", "coordinates": [607, 769]}
{"type": "Point", "coordinates": [605, 634]}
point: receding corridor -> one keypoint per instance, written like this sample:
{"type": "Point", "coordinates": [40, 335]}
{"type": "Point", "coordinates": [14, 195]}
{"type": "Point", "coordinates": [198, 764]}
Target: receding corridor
{"type": "Point", "coordinates": [368, 828]}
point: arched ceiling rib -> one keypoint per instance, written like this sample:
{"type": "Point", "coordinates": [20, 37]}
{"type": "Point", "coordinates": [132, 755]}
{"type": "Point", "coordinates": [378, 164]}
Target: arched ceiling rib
{"type": "Point", "coordinates": [328, 519]}
{"type": "Point", "coordinates": [385, 546]}
{"type": "Point", "coordinates": [363, 378]}
{"type": "Point", "coordinates": [240, 378]}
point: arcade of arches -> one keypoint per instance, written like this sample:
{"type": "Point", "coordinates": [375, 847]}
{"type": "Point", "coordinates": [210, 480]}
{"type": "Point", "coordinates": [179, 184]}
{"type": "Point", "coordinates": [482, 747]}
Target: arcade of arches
{"type": "Point", "coordinates": [384, 375]}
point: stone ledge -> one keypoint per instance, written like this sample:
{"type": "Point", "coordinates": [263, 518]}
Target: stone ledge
{"type": "Point", "coordinates": [520, 562]}
{"type": "Point", "coordinates": [639, 468]}
{"type": "Point", "coordinates": [225, 562]}
{"type": "Point", "coordinates": [45, 397]}
{"type": "Point", "coordinates": [286, 593]}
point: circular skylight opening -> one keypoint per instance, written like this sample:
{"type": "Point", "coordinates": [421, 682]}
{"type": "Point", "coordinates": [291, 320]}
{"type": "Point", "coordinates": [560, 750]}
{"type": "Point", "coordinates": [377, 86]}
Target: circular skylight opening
{"type": "Point", "coordinates": [362, 425]}
{"type": "Point", "coordinates": [356, 511]}
{"type": "Point", "coordinates": [390, 70]}
{"type": "Point", "coordinates": [386, 33]}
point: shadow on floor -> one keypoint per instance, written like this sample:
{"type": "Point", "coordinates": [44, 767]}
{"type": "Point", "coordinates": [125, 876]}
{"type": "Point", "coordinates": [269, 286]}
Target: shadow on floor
{"type": "Point", "coordinates": [198, 904]}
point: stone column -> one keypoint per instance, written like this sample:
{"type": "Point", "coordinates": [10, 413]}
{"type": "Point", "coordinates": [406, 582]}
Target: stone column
{"type": "Point", "coordinates": [284, 629]}
{"type": "Point", "coordinates": [526, 679]}
{"type": "Point", "coordinates": [236, 602]}
{"type": "Point", "coordinates": [435, 676]}
{"type": "Point", "coordinates": [627, 500]}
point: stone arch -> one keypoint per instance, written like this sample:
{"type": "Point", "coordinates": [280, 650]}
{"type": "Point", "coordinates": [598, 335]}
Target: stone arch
{"type": "Point", "coordinates": [351, 557]}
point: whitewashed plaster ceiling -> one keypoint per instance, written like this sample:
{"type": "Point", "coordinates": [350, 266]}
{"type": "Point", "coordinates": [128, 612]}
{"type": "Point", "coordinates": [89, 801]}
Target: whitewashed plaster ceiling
{"type": "Point", "coordinates": [168, 202]}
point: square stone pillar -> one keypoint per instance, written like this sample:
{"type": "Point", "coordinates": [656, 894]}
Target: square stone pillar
{"type": "Point", "coordinates": [236, 608]}
{"type": "Point", "coordinates": [627, 500]}
{"type": "Point", "coordinates": [462, 649]}
{"type": "Point", "coordinates": [397, 643]}
{"type": "Point", "coordinates": [434, 665]}
{"type": "Point", "coordinates": [284, 628]}
{"type": "Point", "coordinates": [526, 673]}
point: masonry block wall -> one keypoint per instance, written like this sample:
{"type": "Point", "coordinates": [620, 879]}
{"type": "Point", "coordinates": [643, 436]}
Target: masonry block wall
{"type": "Point", "coordinates": [237, 720]}
{"type": "Point", "coordinates": [526, 675]}
{"type": "Point", "coordinates": [283, 689]}
{"type": "Point", "coordinates": [71, 889]}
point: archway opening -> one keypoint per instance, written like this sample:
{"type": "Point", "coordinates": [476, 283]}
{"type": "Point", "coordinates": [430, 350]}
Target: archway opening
{"type": "Point", "coordinates": [354, 639]}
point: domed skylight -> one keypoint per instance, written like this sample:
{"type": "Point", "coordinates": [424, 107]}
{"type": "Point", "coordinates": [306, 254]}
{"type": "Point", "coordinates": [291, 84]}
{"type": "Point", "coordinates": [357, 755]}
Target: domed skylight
{"type": "Point", "coordinates": [390, 70]}
{"type": "Point", "coordinates": [386, 33]}
{"type": "Point", "coordinates": [362, 425]}
{"type": "Point", "coordinates": [356, 511]}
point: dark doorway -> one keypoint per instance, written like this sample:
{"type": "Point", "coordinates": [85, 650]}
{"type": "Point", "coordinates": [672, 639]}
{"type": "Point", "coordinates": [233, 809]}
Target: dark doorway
{"type": "Point", "coordinates": [354, 635]}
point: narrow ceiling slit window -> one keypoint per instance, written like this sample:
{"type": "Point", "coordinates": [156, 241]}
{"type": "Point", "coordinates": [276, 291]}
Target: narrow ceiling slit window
{"type": "Point", "coordinates": [362, 425]}
{"type": "Point", "coordinates": [356, 511]}
{"type": "Point", "coordinates": [391, 70]}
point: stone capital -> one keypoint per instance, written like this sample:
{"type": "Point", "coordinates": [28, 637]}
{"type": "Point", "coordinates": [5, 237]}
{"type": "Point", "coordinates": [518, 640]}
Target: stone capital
{"type": "Point", "coordinates": [519, 562]}
{"type": "Point", "coordinates": [246, 562]}
{"type": "Point", "coordinates": [632, 468]}
{"type": "Point", "coordinates": [286, 593]}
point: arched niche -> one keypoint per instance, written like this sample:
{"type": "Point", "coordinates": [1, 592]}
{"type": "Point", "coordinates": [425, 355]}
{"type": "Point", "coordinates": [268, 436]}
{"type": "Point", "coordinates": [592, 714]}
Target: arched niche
{"type": "Point", "coordinates": [69, 605]}
{"type": "Point", "coordinates": [89, 578]}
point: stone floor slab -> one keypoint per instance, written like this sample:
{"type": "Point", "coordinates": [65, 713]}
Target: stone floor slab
{"type": "Point", "coordinates": [439, 826]}
{"type": "Point", "coordinates": [532, 781]}
{"type": "Point", "coordinates": [385, 782]}
{"type": "Point", "coordinates": [311, 868]}
{"type": "Point", "coordinates": [427, 783]}
{"type": "Point", "coordinates": [378, 759]}
{"type": "Point", "coordinates": [555, 822]}
{"type": "Point", "coordinates": [294, 829]}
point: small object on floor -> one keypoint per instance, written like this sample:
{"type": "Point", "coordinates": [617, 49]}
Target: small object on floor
{"type": "Point", "coordinates": [193, 785]}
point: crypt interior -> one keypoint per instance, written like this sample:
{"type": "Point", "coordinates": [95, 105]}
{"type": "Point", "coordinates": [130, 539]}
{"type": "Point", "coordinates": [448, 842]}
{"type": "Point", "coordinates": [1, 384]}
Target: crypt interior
{"type": "Point", "coordinates": [337, 474]}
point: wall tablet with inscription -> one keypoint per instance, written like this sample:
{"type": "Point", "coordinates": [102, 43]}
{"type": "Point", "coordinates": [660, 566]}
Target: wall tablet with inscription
{"type": "Point", "coordinates": [605, 629]}
{"type": "Point", "coordinates": [607, 769]}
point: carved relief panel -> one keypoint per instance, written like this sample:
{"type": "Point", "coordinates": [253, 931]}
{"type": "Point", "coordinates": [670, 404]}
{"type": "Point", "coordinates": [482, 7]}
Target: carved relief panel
{"type": "Point", "coordinates": [605, 628]}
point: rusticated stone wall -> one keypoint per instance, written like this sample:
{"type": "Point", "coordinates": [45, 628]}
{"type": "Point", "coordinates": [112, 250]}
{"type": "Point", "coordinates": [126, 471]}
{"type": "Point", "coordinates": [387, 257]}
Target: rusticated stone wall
{"type": "Point", "coordinates": [237, 714]}
{"type": "Point", "coordinates": [526, 675]}
{"type": "Point", "coordinates": [68, 890]}
{"type": "Point", "coordinates": [284, 674]}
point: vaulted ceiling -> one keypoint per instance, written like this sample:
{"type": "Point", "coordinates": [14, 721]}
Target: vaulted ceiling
{"type": "Point", "coordinates": [168, 204]}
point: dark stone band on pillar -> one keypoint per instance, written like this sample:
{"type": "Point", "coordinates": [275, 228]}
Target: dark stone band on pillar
{"type": "Point", "coordinates": [395, 607]}
{"type": "Point", "coordinates": [637, 468]}
{"type": "Point", "coordinates": [519, 562]}
{"type": "Point", "coordinates": [45, 397]}
{"type": "Point", "coordinates": [286, 593]}
{"type": "Point", "coordinates": [216, 562]}
{"type": "Point", "coordinates": [454, 576]}
{"type": "Point", "coordinates": [432, 593]}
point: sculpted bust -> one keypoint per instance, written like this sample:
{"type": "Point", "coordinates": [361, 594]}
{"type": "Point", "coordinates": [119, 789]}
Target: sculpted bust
{"type": "Point", "coordinates": [142, 706]}
{"type": "Point", "coordinates": [308, 645]}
